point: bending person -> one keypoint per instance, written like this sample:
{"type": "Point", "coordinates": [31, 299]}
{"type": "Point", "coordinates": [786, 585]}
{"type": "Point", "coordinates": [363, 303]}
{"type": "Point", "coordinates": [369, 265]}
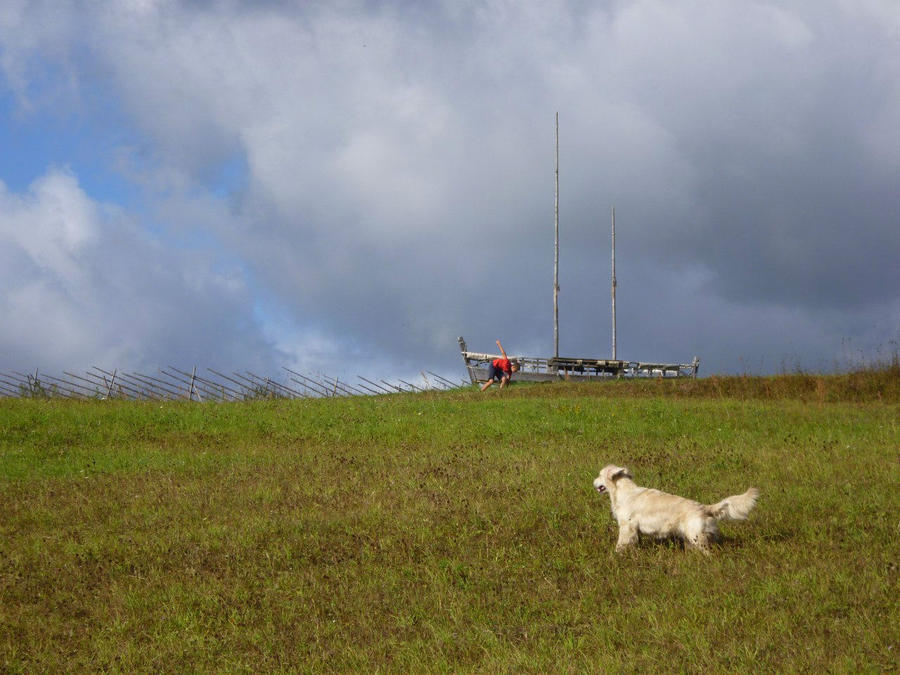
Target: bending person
{"type": "Point", "coordinates": [501, 370]}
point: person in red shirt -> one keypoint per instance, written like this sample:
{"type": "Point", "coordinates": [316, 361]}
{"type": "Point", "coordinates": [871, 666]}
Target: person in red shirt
{"type": "Point", "coordinates": [501, 369]}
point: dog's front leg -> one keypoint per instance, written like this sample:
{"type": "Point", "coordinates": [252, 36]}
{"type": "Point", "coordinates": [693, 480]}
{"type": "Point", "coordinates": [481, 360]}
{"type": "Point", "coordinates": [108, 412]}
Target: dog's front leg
{"type": "Point", "coordinates": [628, 535]}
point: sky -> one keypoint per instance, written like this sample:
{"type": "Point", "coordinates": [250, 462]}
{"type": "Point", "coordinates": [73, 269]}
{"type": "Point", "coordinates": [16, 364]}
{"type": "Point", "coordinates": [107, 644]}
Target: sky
{"type": "Point", "coordinates": [345, 187]}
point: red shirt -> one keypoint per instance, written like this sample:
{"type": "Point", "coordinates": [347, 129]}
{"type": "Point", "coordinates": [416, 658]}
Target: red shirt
{"type": "Point", "coordinates": [503, 364]}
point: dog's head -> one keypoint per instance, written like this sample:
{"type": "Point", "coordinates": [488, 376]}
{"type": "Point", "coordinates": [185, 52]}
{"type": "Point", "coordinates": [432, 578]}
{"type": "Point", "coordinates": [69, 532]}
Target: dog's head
{"type": "Point", "coordinates": [606, 481]}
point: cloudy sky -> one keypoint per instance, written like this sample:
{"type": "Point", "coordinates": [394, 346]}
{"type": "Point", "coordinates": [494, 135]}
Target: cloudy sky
{"type": "Point", "coordinates": [345, 187]}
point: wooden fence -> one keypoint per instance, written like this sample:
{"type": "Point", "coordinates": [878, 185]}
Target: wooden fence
{"type": "Point", "coordinates": [172, 383]}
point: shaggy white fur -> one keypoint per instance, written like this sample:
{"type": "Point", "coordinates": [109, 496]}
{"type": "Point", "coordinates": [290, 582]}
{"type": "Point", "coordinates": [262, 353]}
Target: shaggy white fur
{"type": "Point", "coordinates": [640, 510]}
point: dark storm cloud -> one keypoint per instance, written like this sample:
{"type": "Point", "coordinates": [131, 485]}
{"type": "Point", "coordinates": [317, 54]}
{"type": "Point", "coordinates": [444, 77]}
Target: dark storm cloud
{"type": "Point", "coordinates": [392, 169]}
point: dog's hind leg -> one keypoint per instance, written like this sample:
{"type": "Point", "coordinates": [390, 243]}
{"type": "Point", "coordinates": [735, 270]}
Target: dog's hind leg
{"type": "Point", "coordinates": [700, 543]}
{"type": "Point", "coordinates": [696, 536]}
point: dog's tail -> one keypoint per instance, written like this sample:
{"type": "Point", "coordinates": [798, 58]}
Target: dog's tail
{"type": "Point", "coordinates": [736, 507]}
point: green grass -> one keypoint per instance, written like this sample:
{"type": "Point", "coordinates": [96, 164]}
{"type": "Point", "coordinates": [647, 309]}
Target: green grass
{"type": "Point", "coordinates": [451, 532]}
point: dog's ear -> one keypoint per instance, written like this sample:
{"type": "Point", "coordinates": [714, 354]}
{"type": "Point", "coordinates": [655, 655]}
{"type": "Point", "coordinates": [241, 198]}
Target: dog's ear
{"type": "Point", "coordinates": [618, 472]}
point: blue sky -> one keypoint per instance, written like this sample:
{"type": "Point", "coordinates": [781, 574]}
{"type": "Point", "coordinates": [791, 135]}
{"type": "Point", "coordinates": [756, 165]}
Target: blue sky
{"type": "Point", "coordinates": [33, 142]}
{"type": "Point", "coordinates": [347, 187]}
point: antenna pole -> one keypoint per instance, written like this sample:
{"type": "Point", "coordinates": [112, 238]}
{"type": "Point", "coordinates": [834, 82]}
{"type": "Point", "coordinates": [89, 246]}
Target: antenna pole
{"type": "Point", "coordinates": [556, 254]}
{"type": "Point", "coordinates": [614, 283]}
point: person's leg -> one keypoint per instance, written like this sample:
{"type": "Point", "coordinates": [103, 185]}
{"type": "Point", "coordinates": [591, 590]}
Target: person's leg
{"type": "Point", "coordinates": [492, 373]}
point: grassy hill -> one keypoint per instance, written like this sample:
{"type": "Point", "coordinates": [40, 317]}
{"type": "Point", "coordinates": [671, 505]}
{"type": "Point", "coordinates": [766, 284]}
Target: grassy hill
{"type": "Point", "coordinates": [452, 531]}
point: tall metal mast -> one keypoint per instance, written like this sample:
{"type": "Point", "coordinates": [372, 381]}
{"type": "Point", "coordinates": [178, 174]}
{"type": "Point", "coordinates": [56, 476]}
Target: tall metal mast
{"type": "Point", "coordinates": [556, 254]}
{"type": "Point", "coordinates": [614, 283]}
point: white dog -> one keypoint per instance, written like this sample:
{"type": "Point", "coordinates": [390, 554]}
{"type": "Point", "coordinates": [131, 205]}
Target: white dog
{"type": "Point", "coordinates": [641, 510]}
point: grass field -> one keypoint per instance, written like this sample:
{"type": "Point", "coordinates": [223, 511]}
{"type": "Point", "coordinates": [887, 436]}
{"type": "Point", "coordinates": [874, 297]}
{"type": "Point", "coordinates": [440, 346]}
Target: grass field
{"type": "Point", "coordinates": [452, 531]}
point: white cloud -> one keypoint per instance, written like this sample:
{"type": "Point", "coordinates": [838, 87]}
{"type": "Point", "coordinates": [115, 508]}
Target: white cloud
{"type": "Point", "coordinates": [84, 286]}
{"type": "Point", "coordinates": [52, 226]}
